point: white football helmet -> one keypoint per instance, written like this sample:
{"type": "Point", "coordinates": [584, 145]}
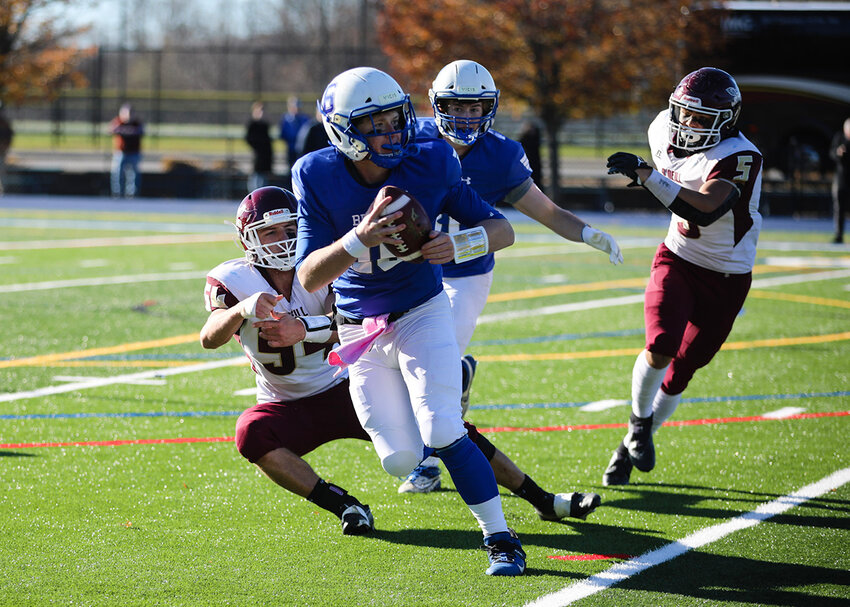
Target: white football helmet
{"type": "Point", "coordinates": [365, 91]}
{"type": "Point", "coordinates": [260, 209]}
{"type": "Point", "coordinates": [464, 80]}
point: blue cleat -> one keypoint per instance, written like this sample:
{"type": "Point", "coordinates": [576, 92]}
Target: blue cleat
{"type": "Point", "coordinates": [506, 554]}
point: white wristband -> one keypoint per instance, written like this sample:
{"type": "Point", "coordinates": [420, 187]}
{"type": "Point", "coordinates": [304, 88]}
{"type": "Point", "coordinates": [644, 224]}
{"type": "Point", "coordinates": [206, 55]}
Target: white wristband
{"type": "Point", "coordinates": [249, 305]}
{"type": "Point", "coordinates": [663, 188]}
{"type": "Point", "coordinates": [470, 244]}
{"type": "Point", "coordinates": [353, 245]}
{"type": "Point", "coordinates": [318, 328]}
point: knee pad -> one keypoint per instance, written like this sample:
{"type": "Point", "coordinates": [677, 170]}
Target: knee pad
{"type": "Point", "coordinates": [401, 463]}
{"type": "Point", "coordinates": [443, 431]}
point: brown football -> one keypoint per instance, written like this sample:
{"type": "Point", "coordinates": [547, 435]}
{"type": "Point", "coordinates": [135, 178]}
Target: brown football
{"type": "Point", "coordinates": [409, 241]}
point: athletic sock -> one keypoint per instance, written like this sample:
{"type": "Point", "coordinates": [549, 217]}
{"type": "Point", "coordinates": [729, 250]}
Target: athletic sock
{"type": "Point", "coordinates": [646, 381]}
{"type": "Point", "coordinates": [332, 498]}
{"type": "Point", "coordinates": [474, 479]}
{"type": "Point", "coordinates": [541, 499]}
{"type": "Point", "coordinates": [663, 407]}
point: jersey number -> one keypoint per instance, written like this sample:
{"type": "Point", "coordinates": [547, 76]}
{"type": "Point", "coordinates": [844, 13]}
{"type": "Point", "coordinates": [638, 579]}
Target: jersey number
{"type": "Point", "coordinates": [743, 168]}
{"type": "Point", "coordinates": [688, 229]}
{"type": "Point", "coordinates": [282, 361]}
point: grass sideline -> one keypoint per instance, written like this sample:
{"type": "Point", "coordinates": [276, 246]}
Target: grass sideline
{"type": "Point", "coordinates": [191, 523]}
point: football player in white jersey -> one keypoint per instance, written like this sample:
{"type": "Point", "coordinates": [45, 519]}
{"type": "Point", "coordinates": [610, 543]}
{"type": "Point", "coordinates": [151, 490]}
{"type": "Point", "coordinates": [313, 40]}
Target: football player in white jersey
{"type": "Point", "coordinates": [287, 334]}
{"type": "Point", "coordinates": [709, 176]}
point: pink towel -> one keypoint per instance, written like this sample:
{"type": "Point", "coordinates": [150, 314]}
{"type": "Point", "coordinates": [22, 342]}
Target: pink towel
{"type": "Point", "coordinates": [348, 353]}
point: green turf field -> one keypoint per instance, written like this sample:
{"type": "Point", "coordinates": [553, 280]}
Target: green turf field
{"type": "Point", "coordinates": [121, 486]}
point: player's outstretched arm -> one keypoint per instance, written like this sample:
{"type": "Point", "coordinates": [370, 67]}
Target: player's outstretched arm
{"type": "Point", "coordinates": [703, 206]}
{"type": "Point", "coordinates": [537, 205]}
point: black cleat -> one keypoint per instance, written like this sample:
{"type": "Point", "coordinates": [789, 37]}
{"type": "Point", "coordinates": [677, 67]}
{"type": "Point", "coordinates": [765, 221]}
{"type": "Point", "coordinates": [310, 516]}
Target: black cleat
{"type": "Point", "coordinates": [357, 520]}
{"type": "Point", "coordinates": [573, 505]}
{"type": "Point", "coordinates": [639, 443]}
{"type": "Point", "coordinates": [619, 468]}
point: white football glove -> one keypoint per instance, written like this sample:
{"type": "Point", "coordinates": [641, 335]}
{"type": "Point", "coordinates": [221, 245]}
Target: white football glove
{"type": "Point", "coordinates": [604, 242]}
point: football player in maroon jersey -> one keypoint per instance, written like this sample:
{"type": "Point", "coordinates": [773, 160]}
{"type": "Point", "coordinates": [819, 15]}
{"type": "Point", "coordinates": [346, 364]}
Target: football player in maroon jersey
{"type": "Point", "coordinates": [709, 176]}
{"type": "Point", "coordinates": [287, 333]}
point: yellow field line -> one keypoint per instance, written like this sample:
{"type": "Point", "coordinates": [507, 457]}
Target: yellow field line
{"type": "Point", "coordinates": [596, 286]}
{"type": "Point", "coordinates": [741, 345]}
{"type": "Point", "coordinates": [46, 359]}
{"type": "Point", "coordinates": [821, 301]}
{"type": "Point", "coordinates": [562, 289]}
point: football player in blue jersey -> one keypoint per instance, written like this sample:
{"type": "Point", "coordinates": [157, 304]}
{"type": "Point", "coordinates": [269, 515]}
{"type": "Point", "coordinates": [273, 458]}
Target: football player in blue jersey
{"type": "Point", "coordinates": [393, 318]}
{"type": "Point", "coordinates": [464, 98]}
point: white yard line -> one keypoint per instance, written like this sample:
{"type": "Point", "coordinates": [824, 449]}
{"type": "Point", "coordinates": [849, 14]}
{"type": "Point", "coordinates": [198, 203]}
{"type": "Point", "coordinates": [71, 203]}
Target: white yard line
{"type": "Point", "coordinates": [602, 405]}
{"type": "Point", "coordinates": [784, 412]}
{"type": "Point", "coordinates": [102, 280]}
{"type": "Point", "coordinates": [120, 241]}
{"type": "Point", "coordinates": [631, 299]}
{"type": "Point", "coordinates": [623, 571]}
{"type": "Point", "coordinates": [122, 379]}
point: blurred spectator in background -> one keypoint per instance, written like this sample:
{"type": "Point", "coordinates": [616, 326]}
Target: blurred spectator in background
{"type": "Point", "coordinates": [127, 131]}
{"type": "Point", "coordinates": [312, 136]}
{"type": "Point", "coordinates": [529, 137]}
{"type": "Point", "coordinates": [6, 134]}
{"type": "Point", "coordinates": [257, 136]}
{"type": "Point", "coordinates": [290, 124]}
{"type": "Point", "coordinates": [839, 151]}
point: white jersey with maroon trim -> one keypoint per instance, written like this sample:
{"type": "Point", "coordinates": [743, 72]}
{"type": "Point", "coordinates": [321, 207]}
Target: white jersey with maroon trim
{"type": "Point", "coordinates": [729, 244]}
{"type": "Point", "coordinates": [283, 374]}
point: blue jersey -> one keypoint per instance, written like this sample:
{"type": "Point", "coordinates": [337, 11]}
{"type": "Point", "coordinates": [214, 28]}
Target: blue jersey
{"type": "Point", "coordinates": [332, 201]}
{"type": "Point", "coordinates": [493, 167]}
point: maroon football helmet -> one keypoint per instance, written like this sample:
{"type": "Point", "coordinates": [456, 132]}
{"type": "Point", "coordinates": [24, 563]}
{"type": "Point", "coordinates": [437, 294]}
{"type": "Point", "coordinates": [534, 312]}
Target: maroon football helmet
{"type": "Point", "coordinates": [262, 208]}
{"type": "Point", "coordinates": [704, 110]}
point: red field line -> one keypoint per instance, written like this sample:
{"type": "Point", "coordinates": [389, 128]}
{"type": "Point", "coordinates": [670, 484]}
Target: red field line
{"type": "Point", "coordinates": [224, 439]}
{"type": "Point", "coordinates": [686, 422]}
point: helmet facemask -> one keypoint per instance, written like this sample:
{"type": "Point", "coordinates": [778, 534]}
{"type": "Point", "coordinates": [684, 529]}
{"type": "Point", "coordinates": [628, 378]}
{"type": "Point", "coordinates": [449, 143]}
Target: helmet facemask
{"type": "Point", "coordinates": [701, 135]}
{"type": "Point", "coordinates": [277, 255]}
{"type": "Point", "coordinates": [392, 152]}
{"type": "Point", "coordinates": [463, 130]}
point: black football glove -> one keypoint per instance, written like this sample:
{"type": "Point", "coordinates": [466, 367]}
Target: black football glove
{"type": "Point", "coordinates": [627, 164]}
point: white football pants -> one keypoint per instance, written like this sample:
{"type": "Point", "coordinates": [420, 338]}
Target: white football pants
{"type": "Point", "coordinates": [468, 295]}
{"type": "Point", "coordinates": [406, 388]}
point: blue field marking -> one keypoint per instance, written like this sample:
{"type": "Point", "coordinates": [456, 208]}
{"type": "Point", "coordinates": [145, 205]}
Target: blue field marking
{"type": "Point", "coordinates": [512, 406]}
